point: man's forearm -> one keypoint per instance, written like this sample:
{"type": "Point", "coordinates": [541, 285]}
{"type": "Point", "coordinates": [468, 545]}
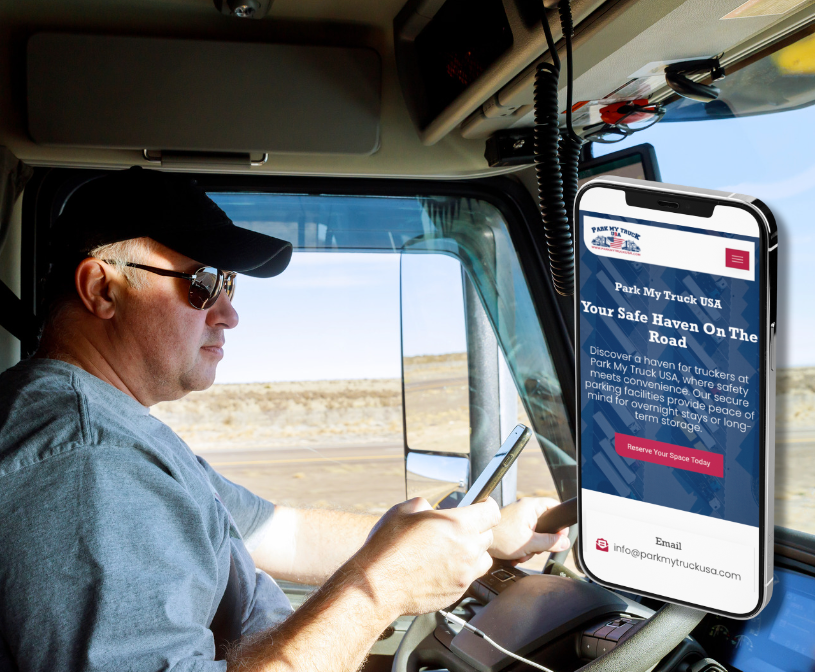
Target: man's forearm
{"type": "Point", "coordinates": [415, 561]}
{"type": "Point", "coordinates": [333, 630]}
{"type": "Point", "coordinates": [307, 545]}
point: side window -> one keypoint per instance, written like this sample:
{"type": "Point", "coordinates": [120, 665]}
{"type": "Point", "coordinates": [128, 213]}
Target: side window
{"type": "Point", "coordinates": [10, 245]}
{"type": "Point", "coordinates": [385, 297]}
{"type": "Point", "coordinates": [459, 394]}
{"type": "Point", "coordinates": [434, 354]}
{"type": "Point", "coordinates": [307, 406]}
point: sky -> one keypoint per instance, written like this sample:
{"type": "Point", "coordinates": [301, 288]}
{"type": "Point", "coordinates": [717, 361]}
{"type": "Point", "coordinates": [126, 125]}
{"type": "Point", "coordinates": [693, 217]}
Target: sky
{"type": "Point", "coordinates": [327, 317]}
{"type": "Point", "coordinates": [433, 305]}
{"type": "Point", "coordinates": [771, 157]}
{"type": "Point", "coordinates": [335, 316]}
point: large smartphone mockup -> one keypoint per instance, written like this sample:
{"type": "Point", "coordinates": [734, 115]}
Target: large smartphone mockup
{"type": "Point", "coordinates": [675, 326]}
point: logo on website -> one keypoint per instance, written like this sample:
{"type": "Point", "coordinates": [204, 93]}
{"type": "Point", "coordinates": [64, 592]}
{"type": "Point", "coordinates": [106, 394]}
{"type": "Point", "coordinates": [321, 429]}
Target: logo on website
{"type": "Point", "coordinates": [616, 239]}
{"type": "Point", "coordinates": [602, 545]}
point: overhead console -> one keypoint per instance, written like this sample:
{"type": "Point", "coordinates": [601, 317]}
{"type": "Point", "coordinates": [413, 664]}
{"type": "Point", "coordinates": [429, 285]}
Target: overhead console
{"type": "Point", "coordinates": [469, 67]}
{"type": "Point", "coordinates": [453, 55]}
{"type": "Point", "coordinates": [444, 47]}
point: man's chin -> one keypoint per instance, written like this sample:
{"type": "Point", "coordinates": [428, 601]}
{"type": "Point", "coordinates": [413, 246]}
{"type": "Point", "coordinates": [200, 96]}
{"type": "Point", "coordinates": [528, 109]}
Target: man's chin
{"type": "Point", "coordinates": [200, 378]}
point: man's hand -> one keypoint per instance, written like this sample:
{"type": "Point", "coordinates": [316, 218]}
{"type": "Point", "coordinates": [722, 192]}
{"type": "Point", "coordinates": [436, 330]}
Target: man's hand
{"type": "Point", "coordinates": [514, 538]}
{"type": "Point", "coordinates": [418, 560]}
{"type": "Point", "coordinates": [414, 561]}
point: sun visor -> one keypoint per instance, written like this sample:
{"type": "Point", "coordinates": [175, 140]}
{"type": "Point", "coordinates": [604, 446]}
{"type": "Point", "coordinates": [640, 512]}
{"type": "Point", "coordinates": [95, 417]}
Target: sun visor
{"type": "Point", "coordinates": [196, 96]}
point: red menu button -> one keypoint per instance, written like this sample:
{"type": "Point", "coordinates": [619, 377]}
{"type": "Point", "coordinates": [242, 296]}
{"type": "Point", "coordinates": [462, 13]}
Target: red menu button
{"type": "Point", "coordinates": [739, 259]}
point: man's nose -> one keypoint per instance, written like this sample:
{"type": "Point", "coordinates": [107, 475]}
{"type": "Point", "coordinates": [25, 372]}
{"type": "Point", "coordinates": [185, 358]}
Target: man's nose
{"type": "Point", "coordinates": [223, 313]}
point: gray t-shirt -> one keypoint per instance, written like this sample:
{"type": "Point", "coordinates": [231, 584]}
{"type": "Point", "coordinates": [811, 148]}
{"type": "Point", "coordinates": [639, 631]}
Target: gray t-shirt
{"type": "Point", "coordinates": [115, 539]}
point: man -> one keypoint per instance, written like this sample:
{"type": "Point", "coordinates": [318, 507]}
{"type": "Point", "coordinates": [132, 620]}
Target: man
{"type": "Point", "coordinates": [123, 551]}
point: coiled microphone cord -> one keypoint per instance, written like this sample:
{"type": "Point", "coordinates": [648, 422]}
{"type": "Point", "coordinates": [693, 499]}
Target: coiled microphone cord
{"type": "Point", "coordinates": [556, 157]}
{"type": "Point", "coordinates": [550, 180]}
{"type": "Point", "coordinates": [570, 142]}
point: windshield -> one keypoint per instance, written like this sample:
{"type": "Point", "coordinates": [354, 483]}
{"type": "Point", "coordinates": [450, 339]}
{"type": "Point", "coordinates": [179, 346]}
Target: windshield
{"type": "Point", "coordinates": [770, 82]}
{"type": "Point", "coordinates": [763, 156]}
{"type": "Point", "coordinates": [352, 229]}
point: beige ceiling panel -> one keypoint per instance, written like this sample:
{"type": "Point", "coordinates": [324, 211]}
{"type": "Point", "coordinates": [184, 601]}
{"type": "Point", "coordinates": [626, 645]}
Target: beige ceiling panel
{"type": "Point", "coordinates": [368, 24]}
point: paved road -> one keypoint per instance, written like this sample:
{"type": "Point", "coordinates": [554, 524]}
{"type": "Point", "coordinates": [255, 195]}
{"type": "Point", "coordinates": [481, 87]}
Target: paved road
{"type": "Point", "coordinates": [436, 384]}
{"type": "Point", "coordinates": [313, 454]}
{"type": "Point", "coordinates": [366, 477]}
{"type": "Point", "coordinates": [371, 477]}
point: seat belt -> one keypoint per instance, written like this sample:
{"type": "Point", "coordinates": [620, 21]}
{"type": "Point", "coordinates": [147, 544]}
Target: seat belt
{"type": "Point", "coordinates": [226, 624]}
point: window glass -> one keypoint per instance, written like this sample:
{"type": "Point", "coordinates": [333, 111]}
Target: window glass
{"type": "Point", "coordinates": [333, 436]}
{"type": "Point", "coordinates": [781, 80]}
{"type": "Point", "coordinates": [307, 406]}
{"type": "Point", "coordinates": [764, 156]}
{"type": "Point", "coordinates": [476, 234]}
{"type": "Point", "coordinates": [434, 349]}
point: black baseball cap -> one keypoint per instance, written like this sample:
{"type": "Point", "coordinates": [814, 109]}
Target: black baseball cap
{"type": "Point", "coordinates": [171, 209]}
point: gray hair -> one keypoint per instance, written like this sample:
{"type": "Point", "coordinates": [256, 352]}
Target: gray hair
{"type": "Point", "coordinates": [60, 287]}
{"type": "Point", "coordinates": [134, 250]}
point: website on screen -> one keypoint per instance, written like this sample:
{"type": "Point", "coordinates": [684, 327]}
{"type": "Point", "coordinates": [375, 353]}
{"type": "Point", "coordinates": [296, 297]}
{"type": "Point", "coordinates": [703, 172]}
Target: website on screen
{"type": "Point", "coordinates": [670, 350]}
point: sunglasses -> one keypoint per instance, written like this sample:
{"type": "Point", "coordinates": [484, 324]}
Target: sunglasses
{"type": "Point", "coordinates": [205, 284]}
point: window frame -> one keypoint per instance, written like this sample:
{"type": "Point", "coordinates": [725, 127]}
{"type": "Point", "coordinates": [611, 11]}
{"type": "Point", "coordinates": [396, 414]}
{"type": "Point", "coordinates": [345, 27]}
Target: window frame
{"type": "Point", "coordinates": [50, 188]}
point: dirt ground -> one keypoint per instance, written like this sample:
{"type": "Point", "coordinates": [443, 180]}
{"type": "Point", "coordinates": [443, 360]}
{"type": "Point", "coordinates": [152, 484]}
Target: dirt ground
{"type": "Point", "coordinates": [437, 403]}
{"type": "Point", "coordinates": [339, 443]}
{"type": "Point", "coordinates": [795, 449]}
{"type": "Point", "coordinates": [295, 414]}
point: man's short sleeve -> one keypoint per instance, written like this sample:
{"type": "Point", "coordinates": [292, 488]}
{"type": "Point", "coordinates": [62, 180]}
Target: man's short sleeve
{"type": "Point", "coordinates": [248, 510]}
{"type": "Point", "coordinates": [108, 563]}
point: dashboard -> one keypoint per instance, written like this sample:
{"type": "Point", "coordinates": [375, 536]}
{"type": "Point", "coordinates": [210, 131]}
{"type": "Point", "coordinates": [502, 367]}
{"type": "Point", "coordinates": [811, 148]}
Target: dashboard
{"type": "Point", "coordinates": [780, 639]}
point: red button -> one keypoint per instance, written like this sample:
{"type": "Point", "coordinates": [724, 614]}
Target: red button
{"type": "Point", "coordinates": [679, 457]}
{"type": "Point", "coordinates": [739, 259]}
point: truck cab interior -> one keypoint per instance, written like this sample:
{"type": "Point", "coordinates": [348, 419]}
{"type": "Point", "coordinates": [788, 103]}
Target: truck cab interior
{"type": "Point", "coordinates": [409, 129]}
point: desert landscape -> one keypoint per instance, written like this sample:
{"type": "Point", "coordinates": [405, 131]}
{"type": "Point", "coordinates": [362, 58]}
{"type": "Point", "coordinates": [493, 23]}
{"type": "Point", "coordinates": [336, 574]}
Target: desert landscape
{"type": "Point", "coordinates": [339, 443]}
{"type": "Point", "coordinates": [336, 443]}
{"type": "Point", "coordinates": [795, 449]}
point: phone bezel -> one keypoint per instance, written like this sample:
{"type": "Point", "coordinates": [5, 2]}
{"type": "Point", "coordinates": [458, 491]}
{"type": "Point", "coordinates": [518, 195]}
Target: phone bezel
{"type": "Point", "coordinates": [767, 245]}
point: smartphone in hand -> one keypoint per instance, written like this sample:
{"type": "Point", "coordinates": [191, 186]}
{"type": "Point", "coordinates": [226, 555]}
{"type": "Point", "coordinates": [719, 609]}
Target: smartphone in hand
{"type": "Point", "coordinates": [498, 466]}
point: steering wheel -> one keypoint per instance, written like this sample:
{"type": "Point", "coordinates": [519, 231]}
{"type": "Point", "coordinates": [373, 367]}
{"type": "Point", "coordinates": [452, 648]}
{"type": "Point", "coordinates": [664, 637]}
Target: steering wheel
{"type": "Point", "coordinates": [533, 611]}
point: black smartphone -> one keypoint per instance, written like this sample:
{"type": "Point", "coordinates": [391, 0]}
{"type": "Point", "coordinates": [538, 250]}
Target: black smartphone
{"type": "Point", "coordinates": [675, 326]}
{"type": "Point", "coordinates": [489, 479]}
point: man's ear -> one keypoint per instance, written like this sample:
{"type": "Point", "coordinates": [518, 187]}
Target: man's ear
{"type": "Point", "coordinates": [95, 283]}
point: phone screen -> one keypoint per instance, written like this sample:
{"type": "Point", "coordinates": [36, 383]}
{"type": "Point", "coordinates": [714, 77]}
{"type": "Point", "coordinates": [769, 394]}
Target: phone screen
{"type": "Point", "coordinates": [671, 334]}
